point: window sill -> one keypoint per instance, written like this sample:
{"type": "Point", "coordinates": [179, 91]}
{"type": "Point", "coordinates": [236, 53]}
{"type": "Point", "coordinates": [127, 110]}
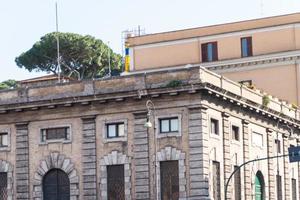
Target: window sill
{"type": "Point", "coordinates": [168, 134]}
{"type": "Point", "coordinates": [116, 139]}
{"type": "Point", "coordinates": [257, 146]}
{"type": "Point", "coordinates": [5, 148]}
{"type": "Point", "coordinates": [215, 136]}
{"type": "Point", "coordinates": [235, 142]}
{"type": "Point", "coordinates": [55, 141]}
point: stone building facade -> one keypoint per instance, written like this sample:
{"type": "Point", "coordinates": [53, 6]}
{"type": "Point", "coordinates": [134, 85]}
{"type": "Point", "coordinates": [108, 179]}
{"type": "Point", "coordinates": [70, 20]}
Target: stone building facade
{"type": "Point", "coordinates": [88, 140]}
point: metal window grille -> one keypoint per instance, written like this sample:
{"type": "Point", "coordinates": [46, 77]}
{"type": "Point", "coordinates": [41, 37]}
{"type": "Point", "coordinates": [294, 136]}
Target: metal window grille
{"type": "Point", "coordinates": [3, 185]}
{"type": "Point", "coordinates": [56, 185]}
{"type": "Point", "coordinates": [55, 133]}
{"type": "Point", "coordinates": [216, 181]}
{"type": "Point", "coordinates": [279, 187]}
{"type": "Point", "coordinates": [294, 189]}
{"type": "Point", "coordinates": [115, 182]}
{"type": "Point", "coordinates": [237, 184]}
{"type": "Point", "coordinates": [169, 180]}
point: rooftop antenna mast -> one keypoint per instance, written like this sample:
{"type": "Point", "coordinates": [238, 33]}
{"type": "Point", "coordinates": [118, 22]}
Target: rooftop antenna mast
{"type": "Point", "coordinates": [57, 43]}
{"type": "Point", "coordinates": [109, 67]}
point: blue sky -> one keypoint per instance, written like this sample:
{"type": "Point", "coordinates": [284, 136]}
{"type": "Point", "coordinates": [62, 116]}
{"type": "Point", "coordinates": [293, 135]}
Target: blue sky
{"type": "Point", "coordinates": [24, 22]}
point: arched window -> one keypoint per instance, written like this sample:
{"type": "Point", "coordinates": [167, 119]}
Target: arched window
{"type": "Point", "coordinates": [259, 186]}
{"type": "Point", "coordinates": [56, 185]}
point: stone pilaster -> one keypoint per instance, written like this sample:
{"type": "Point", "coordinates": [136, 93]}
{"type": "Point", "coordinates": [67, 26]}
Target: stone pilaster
{"type": "Point", "coordinates": [198, 153]}
{"type": "Point", "coordinates": [141, 157]}
{"type": "Point", "coordinates": [270, 147]}
{"type": "Point", "coordinates": [89, 158]}
{"type": "Point", "coordinates": [22, 161]}
{"type": "Point", "coordinates": [226, 152]}
{"type": "Point", "coordinates": [287, 179]}
{"type": "Point", "coordinates": [247, 171]}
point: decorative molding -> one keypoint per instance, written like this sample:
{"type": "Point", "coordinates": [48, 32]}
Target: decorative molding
{"type": "Point", "coordinates": [166, 154]}
{"type": "Point", "coordinates": [8, 168]}
{"type": "Point", "coordinates": [115, 158]}
{"type": "Point", "coordinates": [56, 161]}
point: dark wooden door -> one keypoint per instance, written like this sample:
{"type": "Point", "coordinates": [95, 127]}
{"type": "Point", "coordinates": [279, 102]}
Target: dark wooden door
{"type": "Point", "coordinates": [115, 182]}
{"type": "Point", "coordinates": [169, 180]}
{"type": "Point", "coordinates": [56, 185]}
{"type": "Point", "coordinates": [3, 185]}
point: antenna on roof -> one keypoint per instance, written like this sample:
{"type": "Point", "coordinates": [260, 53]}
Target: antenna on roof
{"type": "Point", "coordinates": [109, 67]}
{"type": "Point", "coordinates": [57, 43]}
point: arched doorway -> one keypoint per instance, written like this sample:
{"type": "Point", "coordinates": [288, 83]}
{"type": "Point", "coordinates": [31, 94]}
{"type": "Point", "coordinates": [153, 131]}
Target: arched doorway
{"type": "Point", "coordinates": [259, 186]}
{"type": "Point", "coordinates": [56, 185]}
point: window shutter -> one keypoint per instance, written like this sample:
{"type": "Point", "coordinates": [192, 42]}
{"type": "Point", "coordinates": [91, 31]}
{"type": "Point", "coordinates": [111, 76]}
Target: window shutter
{"type": "Point", "coordinates": [204, 52]}
{"type": "Point", "coordinates": [249, 41]}
{"type": "Point", "coordinates": [215, 51]}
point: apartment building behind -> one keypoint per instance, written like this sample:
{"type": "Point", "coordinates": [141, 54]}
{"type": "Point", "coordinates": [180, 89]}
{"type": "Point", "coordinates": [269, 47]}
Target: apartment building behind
{"type": "Point", "coordinates": [262, 52]}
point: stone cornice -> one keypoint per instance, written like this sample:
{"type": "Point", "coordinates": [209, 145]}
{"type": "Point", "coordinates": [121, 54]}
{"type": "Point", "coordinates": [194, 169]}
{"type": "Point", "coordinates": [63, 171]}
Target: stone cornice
{"type": "Point", "coordinates": [143, 86]}
{"type": "Point", "coordinates": [254, 62]}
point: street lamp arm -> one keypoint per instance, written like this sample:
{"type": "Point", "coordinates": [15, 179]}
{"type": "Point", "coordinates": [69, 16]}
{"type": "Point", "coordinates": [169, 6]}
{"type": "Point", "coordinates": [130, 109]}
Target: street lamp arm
{"type": "Point", "coordinates": [250, 161]}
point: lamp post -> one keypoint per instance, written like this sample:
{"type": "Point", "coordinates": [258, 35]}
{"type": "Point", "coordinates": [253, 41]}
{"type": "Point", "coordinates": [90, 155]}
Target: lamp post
{"type": "Point", "coordinates": [151, 112]}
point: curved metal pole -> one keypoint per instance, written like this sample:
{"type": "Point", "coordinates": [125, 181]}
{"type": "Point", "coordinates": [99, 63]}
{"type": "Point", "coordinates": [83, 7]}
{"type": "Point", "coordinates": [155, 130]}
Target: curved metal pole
{"type": "Point", "coordinates": [250, 161]}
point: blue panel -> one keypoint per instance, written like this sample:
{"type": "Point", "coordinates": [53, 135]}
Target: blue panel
{"type": "Point", "coordinates": [294, 154]}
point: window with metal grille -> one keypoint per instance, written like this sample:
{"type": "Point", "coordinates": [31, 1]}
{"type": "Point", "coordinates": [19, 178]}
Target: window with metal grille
{"type": "Point", "coordinates": [4, 139]}
{"type": "Point", "coordinates": [216, 181]}
{"type": "Point", "coordinates": [235, 130]}
{"type": "Point", "coordinates": [246, 46]}
{"type": "Point", "coordinates": [214, 126]}
{"type": "Point", "coordinates": [114, 130]}
{"type": "Point", "coordinates": [209, 51]}
{"type": "Point", "coordinates": [237, 184]}
{"type": "Point", "coordinates": [3, 185]}
{"type": "Point", "coordinates": [294, 189]}
{"type": "Point", "coordinates": [57, 133]}
{"type": "Point", "coordinates": [115, 182]}
{"type": "Point", "coordinates": [278, 146]}
{"type": "Point", "coordinates": [167, 125]}
{"type": "Point", "coordinates": [279, 187]}
{"type": "Point", "coordinates": [169, 180]}
{"type": "Point", "coordinates": [56, 185]}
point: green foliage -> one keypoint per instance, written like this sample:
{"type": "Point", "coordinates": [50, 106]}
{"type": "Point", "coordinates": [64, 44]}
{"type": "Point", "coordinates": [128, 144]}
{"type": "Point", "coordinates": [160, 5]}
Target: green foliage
{"type": "Point", "coordinates": [265, 100]}
{"type": "Point", "coordinates": [81, 57]}
{"type": "Point", "coordinates": [174, 83]}
{"type": "Point", "coordinates": [9, 84]}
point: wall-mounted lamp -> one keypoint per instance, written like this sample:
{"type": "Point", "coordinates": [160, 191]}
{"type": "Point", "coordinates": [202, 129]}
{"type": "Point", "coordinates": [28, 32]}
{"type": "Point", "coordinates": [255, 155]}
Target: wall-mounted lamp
{"type": "Point", "coordinates": [150, 108]}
